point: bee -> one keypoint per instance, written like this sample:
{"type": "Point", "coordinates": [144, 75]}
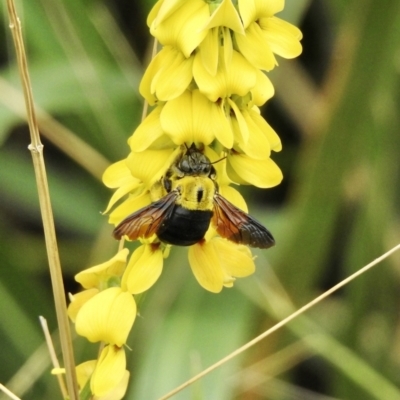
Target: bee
{"type": "Point", "coordinates": [190, 202]}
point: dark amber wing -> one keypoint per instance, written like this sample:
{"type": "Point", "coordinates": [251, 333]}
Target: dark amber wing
{"type": "Point", "coordinates": [146, 221]}
{"type": "Point", "coordinates": [234, 224]}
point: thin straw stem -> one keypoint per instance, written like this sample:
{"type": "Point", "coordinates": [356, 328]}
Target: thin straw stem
{"type": "Point", "coordinates": [36, 148]}
{"type": "Point", "coordinates": [10, 394]}
{"type": "Point", "coordinates": [282, 323]}
{"type": "Point", "coordinates": [53, 355]}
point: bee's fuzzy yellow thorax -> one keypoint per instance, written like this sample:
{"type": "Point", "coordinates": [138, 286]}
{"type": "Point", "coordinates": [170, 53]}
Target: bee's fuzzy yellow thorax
{"type": "Point", "coordinates": [196, 193]}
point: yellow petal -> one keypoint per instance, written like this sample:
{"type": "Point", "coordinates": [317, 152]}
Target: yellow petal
{"type": "Point", "coordinates": [258, 145]}
{"type": "Point", "coordinates": [188, 119]}
{"type": "Point", "coordinates": [98, 276]}
{"type": "Point", "coordinates": [237, 78]}
{"type": "Point", "coordinates": [107, 317]}
{"type": "Point", "coordinates": [261, 173]}
{"type": "Point", "coordinates": [239, 125]}
{"type": "Point", "coordinates": [282, 37]}
{"type": "Point", "coordinates": [206, 267]}
{"type": "Point", "coordinates": [144, 268]}
{"type": "Point", "coordinates": [147, 88]}
{"type": "Point", "coordinates": [209, 50]}
{"type": "Point", "coordinates": [162, 10]}
{"type": "Point", "coordinates": [183, 28]}
{"type": "Point", "coordinates": [234, 197]}
{"type": "Point", "coordinates": [128, 207]}
{"type": "Point", "coordinates": [236, 260]}
{"type": "Point", "coordinates": [168, 76]}
{"type": "Point", "coordinates": [118, 174]}
{"type": "Point", "coordinates": [253, 10]}
{"type": "Point", "coordinates": [273, 139]}
{"type": "Point", "coordinates": [78, 300]}
{"type": "Point", "coordinates": [84, 371]}
{"type": "Point", "coordinates": [225, 15]}
{"type": "Point", "coordinates": [109, 371]}
{"type": "Point", "coordinates": [174, 78]}
{"type": "Point", "coordinates": [119, 391]}
{"type": "Point", "coordinates": [221, 126]}
{"type": "Point", "coordinates": [154, 12]}
{"type": "Point", "coordinates": [147, 132]}
{"type": "Point", "coordinates": [121, 192]}
{"type": "Point", "coordinates": [250, 45]}
{"type": "Point", "coordinates": [263, 90]}
{"type": "Point", "coordinates": [149, 165]}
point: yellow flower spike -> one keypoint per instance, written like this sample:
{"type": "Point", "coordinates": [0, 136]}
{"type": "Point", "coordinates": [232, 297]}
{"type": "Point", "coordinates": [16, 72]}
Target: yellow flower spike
{"type": "Point", "coordinates": [149, 165]}
{"type": "Point", "coordinates": [205, 264]}
{"type": "Point", "coordinates": [99, 275]}
{"type": "Point", "coordinates": [183, 27]}
{"type": "Point", "coordinates": [109, 371]}
{"type": "Point", "coordinates": [226, 15]}
{"type": "Point", "coordinates": [282, 37]}
{"type": "Point", "coordinates": [167, 77]}
{"type": "Point", "coordinates": [246, 170]}
{"type": "Point", "coordinates": [144, 268]}
{"type": "Point", "coordinates": [252, 10]}
{"type": "Point", "coordinates": [107, 317]}
{"type": "Point", "coordinates": [128, 207]}
{"type": "Point", "coordinates": [78, 300]}
{"type": "Point", "coordinates": [188, 119]}
{"type": "Point", "coordinates": [239, 77]}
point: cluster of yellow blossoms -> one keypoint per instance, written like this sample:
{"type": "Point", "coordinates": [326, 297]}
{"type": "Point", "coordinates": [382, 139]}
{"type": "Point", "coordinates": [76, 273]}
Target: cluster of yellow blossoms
{"type": "Point", "coordinates": [206, 85]}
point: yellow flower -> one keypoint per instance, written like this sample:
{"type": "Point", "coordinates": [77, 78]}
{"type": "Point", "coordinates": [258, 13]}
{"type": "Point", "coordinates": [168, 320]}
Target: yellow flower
{"type": "Point", "coordinates": [107, 317]}
{"type": "Point", "coordinates": [110, 373]}
{"type": "Point", "coordinates": [216, 263]}
{"type": "Point", "coordinates": [167, 77]}
{"type": "Point", "coordinates": [78, 300]}
{"type": "Point", "coordinates": [119, 176]}
{"type": "Point", "coordinates": [179, 23]}
{"type": "Point", "coordinates": [104, 275]}
{"type": "Point", "coordinates": [267, 32]}
{"type": "Point", "coordinates": [245, 170]}
{"type": "Point", "coordinates": [144, 268]}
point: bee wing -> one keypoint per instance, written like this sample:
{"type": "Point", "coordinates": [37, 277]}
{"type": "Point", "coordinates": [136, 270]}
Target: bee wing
{"type": "Point", "coordinates": [234, 224]}
{"type": "Point", "coordinates": [146, 221]}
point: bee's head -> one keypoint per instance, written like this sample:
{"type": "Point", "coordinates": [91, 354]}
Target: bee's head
{"type": "Point", "coordinates": [194, 162]}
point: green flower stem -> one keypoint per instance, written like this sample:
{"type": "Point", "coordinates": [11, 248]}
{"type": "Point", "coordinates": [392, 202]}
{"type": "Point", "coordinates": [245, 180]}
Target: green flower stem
{"type": "Point", "coordinates": [36, 148]}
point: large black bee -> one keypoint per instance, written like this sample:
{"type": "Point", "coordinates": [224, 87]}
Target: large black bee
{"type": "Point", "coordinates": [189, 204]}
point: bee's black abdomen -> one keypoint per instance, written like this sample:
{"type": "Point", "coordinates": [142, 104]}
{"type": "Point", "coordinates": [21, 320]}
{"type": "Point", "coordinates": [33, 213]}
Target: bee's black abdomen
{"type": "Point", "coordinates": [185, 227]}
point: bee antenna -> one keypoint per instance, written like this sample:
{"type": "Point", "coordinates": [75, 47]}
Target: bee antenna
{"type": "Point", "coordinates": [221, 159]}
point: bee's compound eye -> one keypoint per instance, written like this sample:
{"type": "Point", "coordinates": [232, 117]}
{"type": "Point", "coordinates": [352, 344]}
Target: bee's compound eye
{"type": "Point", "coordinates": [167, 185]}
{"type": "Point", "coordinates": [206, 168]}
{"type": "Point", "coordinates": [184, 165]}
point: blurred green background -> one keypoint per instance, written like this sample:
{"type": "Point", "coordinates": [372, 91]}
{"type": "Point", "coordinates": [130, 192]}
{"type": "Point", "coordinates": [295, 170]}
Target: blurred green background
{"type": "Point", "coordinates": [336, 109]}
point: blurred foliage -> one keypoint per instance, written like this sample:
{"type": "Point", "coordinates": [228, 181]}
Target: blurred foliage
{"type": "Point", "coordinates": [336, 109]}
